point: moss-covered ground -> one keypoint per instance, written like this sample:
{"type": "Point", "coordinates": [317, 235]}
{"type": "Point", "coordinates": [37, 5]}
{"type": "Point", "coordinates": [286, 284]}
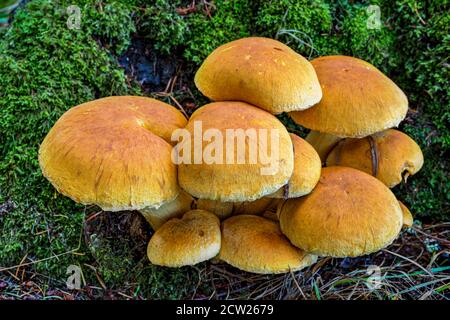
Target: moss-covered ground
{"type": "Point", "coordinates": [47, 67]}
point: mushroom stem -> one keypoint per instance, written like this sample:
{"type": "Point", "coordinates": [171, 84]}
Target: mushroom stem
{"type": "Point", "coordinates": [226, 209]}
{"type": "Point", "coordinates": [221, 209]}
{"type": "Point", "coordinates": [175, 208]}
{"type": "Point", "coordinates": [322, 142]}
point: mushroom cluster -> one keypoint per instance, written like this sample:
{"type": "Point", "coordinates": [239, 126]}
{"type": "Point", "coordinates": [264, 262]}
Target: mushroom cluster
{"type": "Point", "coordinates": [118, 153]}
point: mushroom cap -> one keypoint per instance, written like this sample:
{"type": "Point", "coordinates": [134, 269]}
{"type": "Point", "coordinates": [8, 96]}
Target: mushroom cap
{"type": "Point", "coordinates": [173, 209]}
{"type": "Point", "coordinates": [255, 244]}
{"type": "Point", "coordinates": [358, 99]}
{"type": "Point", "coordinates": [187, 241]}
{"type": "Point", "coordinates": [349, 213]}
{"type": "Point", "coordinates": [307, 167]}
{"type": "Point", "coordinates": [387, 155]}
{"type": "Point", "coordinates": [408, 219]}
{"type": "Point", "coordinates": [114, 152]}
{"type": "Point", "coordinates": [260, 71]}
{"type": "Point", "coordinates": [235, 182]}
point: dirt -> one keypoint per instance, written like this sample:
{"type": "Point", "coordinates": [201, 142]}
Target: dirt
{"type": "Point", "coordinates": [150, 70]}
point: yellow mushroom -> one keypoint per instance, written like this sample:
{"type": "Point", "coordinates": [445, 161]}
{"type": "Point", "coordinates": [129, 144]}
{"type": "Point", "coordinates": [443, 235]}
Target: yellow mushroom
{"type": "Point", "coordinates": [348, 214]}
{"type": "Point", "coordinates": [256, 244]}
{"type": "Point", "coordinates": [260, 71]}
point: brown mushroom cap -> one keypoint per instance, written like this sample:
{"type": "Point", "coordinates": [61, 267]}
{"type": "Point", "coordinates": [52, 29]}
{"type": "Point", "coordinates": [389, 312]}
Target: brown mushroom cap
{"type": "Point", "coordinates": [236, 182]}
{"type": "Point", "coordinates": [388, 155]}
{"type": "Point", "coordinates": [307, 167]}
{"type": "Point", "coordinates": [348, 214]}
{"type": "Point", "coordinates": [186, 241]}
{"type": "Point", "coordinates": [114, 152]}
{"type": "Point", "coordinates": [260, 71]}
{"type": "Point", "coordinates": [358, 99]}
{"type": "Point", "coordinates": [255, 244]}
{"type": "Point", "coordinates": [408, 219]}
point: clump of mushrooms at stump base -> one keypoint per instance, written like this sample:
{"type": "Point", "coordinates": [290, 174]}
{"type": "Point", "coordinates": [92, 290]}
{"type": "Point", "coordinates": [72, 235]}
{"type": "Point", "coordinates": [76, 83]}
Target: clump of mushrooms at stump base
{"type": "Point", "coordinates": [116, 153]}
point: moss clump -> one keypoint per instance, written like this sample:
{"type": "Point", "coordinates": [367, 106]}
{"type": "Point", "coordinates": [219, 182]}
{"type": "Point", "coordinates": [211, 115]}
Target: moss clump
{"type": "Point", "coordinates": [304, 25]}
{"type": "Point", "coordinates": [161, 24]}
{"type": "Point", "coordinates": [226, 21]}
{"type": "Point", "coordinates": [111, 22]}
{"type": "Point", "coordinates": [317, 28]}
{"type": "Point", "coordinates": [45, 69]}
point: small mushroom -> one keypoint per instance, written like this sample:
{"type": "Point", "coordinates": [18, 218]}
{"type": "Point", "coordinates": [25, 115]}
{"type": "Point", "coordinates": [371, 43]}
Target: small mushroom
{"type": "Point", "coordinates": [307, 167]}
{"type": "Point", "coordinates": [255, 244]}
{"type": "Point", "coordinates": [388, 155]}
{"type": "Point", "coordinates": [260, 71]}
{"type": "Point", "coordinates": [231, 181]}
{"type": "Point", "coordinates": [348, 214]}
{"type": "Point", "coordinates": [187, 241]}
{"type": "Point", "coordinates": [114, 152]}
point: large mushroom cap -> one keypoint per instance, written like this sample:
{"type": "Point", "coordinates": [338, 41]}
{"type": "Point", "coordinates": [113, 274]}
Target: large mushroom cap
{"type": "Point", "coordinates": [348, 214]}
{"type": "Point", "coordinates": [388, 155]}
{"type": "Point", "coordinates": [255, 244]}
{"type": "Point", "coordinates": [186, 241]}
{"type": "Point", "coordinates": [234, 181]}
{"type": "Point", "coordinates": [358, 99]}
{"type": "Point", "coordinates": [260, 71]}
{"type": "Point", "coordinates": [114, 152]}
{"type": "Point", "coordinates": [306, 174]}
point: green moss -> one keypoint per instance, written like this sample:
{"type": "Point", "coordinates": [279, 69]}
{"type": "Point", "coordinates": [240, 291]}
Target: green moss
{"type": "Point", "coordinates": [46, 68]}
{"type": "Point", "coordinates": [165, 283]}
{"type": "Point", "coordinates": [422, 45]}
{"type": "Point", "coordinates": [111, 22]}
{"type": "Point", "coordinates": [228, 20]}
{"type": "Point", "coordinates": [304, 25]}
{"type": "Point", "coordinates": [161, 24]}
{"type": "Point", "coordinates": [424, 42]}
